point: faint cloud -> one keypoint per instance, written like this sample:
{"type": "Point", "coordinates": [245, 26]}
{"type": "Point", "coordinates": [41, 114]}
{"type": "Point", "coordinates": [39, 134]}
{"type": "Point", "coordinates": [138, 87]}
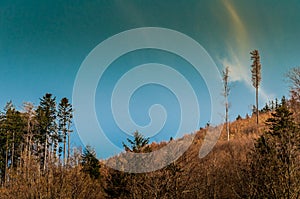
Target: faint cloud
{"type": "Point", "coordinates": [238, 70]}
{"type": "Point", "coordinates": [131, 12]}
{"type": "Point", "coordinates": [238, 57]}
{"type": "Point", "coordinates": [238, 25]}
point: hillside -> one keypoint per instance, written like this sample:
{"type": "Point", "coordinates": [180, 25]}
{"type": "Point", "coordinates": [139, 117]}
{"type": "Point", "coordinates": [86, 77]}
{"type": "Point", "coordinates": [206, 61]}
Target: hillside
{"type": "Point", "coordinates": [233, 169]}
{"type": "Point", "coordinates": [215, 176]}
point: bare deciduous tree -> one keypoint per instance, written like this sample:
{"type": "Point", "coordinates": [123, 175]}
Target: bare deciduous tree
{"type": "Point", "coordinates": [294, 80]}
{"type": "Point", "coordinates": [226, 94]}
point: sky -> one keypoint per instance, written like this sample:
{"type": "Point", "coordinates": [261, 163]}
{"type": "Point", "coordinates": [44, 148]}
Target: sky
{"type": "Point", "coordinates": [43, 45]}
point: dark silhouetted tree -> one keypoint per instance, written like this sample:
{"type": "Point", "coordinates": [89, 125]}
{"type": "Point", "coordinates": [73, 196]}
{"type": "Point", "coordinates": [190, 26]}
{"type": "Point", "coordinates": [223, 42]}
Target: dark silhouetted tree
{"type": "Point", "coordinates": [275, 163]}
{"type": "Point", "coordinates": [65, 115]}
{"type": "Point", "coordinates": [47, 128]}
{"type": "Point", "coordinates": [239, 117]}
{"type": "Point", "coordinates": [139, 144]}
{"type": "Point", "coordinates": [11, 140]}
{"type": "Point", "coordinates": [90, 164]}
{"type": "Point", "coordinates": [256, 76]}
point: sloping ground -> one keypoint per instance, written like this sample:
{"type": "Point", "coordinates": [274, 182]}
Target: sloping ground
{"type": "Point", "coordinates": [225, 172]}
{"type": "Point", "coordinates": [217, 175]}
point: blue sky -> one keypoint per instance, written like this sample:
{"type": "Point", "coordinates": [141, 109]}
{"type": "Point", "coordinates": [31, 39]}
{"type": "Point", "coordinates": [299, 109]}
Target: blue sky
{"type": "Point", "coordinates": [43, 44]}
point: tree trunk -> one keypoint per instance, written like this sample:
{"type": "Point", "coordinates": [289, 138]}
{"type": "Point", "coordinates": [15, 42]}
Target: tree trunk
{"type": "Point", "coordinates": [226, 119]}
{"type": "Point", "coordinates": [68, 130]}
{"type": "Point", "coordinates": [6, 161]}
{"type": "Point", "coordinates": [68, 156]}
{"type": "Point", "coordinates": [65, 135]}
{"type": "Point", "coordinates": [13, 150]}
{"type": "Point", "coordinates": [257, 110]}
{"type": "Point", "coordinates": [45, 152]}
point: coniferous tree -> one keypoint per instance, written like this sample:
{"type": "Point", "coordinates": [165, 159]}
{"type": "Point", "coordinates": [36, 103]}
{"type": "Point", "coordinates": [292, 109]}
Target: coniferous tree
{"type": "Point", "coordinates": [276, 103]}
{"type": "Point", "coordinates": [239, 117]}
{"type": "Point", "coordinates": [90, 164]}
{"type": "Point", "coordinates": [139, 144]}
{"type": "Point", "coordinates": [11, 137]}
{"type": "Point", "coordinates": [266, 108]}
{"type": "Point", "coordinates": [275, 164]}
{"type": "Point", "coordinates": [2, 148]}
{"type": "Point", "coordinates": [256, 76]}
{"type": "Point", "coordinates": [272, 105]}
{"type": "Point", "coordinates": [65, 116]}
{"type": "Point", "coordinates": [47, 128]}
{"type": "Point", "coordinates": [16, 126]}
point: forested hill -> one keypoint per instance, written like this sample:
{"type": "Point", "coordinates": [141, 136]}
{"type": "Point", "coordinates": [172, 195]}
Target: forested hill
{"type": "Point", "coordinates": [256, 162]}
{"type": "Point", "coordinates": [256, 156]}
{"type": "Point", "coordinates": [238, 168]}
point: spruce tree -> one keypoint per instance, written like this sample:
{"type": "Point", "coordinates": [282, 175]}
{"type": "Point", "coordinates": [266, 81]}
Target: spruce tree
{"type": "Point", "coordinates": [65, 115]}
{"type": "Point", "coordinates": [90, 164]}
{"type": "Point", "coordinates": [11, 139]}
{"type": "Point", "coordinates": [275, 164]}
{"type": "Point", "coordinates": [47, 128]}
{"type": "Point", "coordinates": [139, 144]}
{"type": "Point", "coordinates": [256, 77]}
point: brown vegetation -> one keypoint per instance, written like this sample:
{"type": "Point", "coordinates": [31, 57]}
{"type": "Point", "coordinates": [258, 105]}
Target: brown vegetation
{"type": "Point", "coordinates": [257, 162]}
{"type": "Point", "coordinates": [224, 173]}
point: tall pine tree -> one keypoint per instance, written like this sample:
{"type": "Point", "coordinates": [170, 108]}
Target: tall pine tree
{"type": "Point", "coordinates": [65, 115]}
{"type": "Point", "coordinates": [47, 128]}
{"type": "Point", "coordinates": [256, 77]}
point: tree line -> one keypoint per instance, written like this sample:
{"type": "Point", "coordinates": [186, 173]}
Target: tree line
{"type": "Point", "coordinates": [36, 160]}
{"type": "Point", "coordinates": [41, 133]}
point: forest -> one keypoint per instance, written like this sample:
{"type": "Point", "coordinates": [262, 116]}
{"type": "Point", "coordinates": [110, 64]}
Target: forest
{"type": "Point", "coordinates": [256, 156]}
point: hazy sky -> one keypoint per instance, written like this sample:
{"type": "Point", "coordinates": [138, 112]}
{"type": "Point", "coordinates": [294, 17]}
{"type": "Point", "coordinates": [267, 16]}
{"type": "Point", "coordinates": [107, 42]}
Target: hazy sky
{"type": "Point", "coordinates": [43, 44]}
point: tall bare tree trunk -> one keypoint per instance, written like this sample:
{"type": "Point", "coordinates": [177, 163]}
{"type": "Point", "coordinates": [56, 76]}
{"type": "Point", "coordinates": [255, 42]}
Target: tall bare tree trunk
{"type": "Point", "coordinates": [29, 110]}
{"type": "Point", "coordinates": [28, 154]}
{"type": "Point", "coordinates": [13, 150]}
{"type": "Point", "coordinates": [6, 161]}
{"type": "Point", "coordinates": [65, 157]}
{"type": "Point", "coordinates": [256, 77]}
{"type": "Point", "coordinates": [226, 119]}
{"type": "Point", "coordinates": [45, 153]}
{"type": "Point", "coordinates": [257, 110]}
{"type": "Point", "coordinates": [225, 94]}
{"type": "Point", "coordinates": [68, 157]}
